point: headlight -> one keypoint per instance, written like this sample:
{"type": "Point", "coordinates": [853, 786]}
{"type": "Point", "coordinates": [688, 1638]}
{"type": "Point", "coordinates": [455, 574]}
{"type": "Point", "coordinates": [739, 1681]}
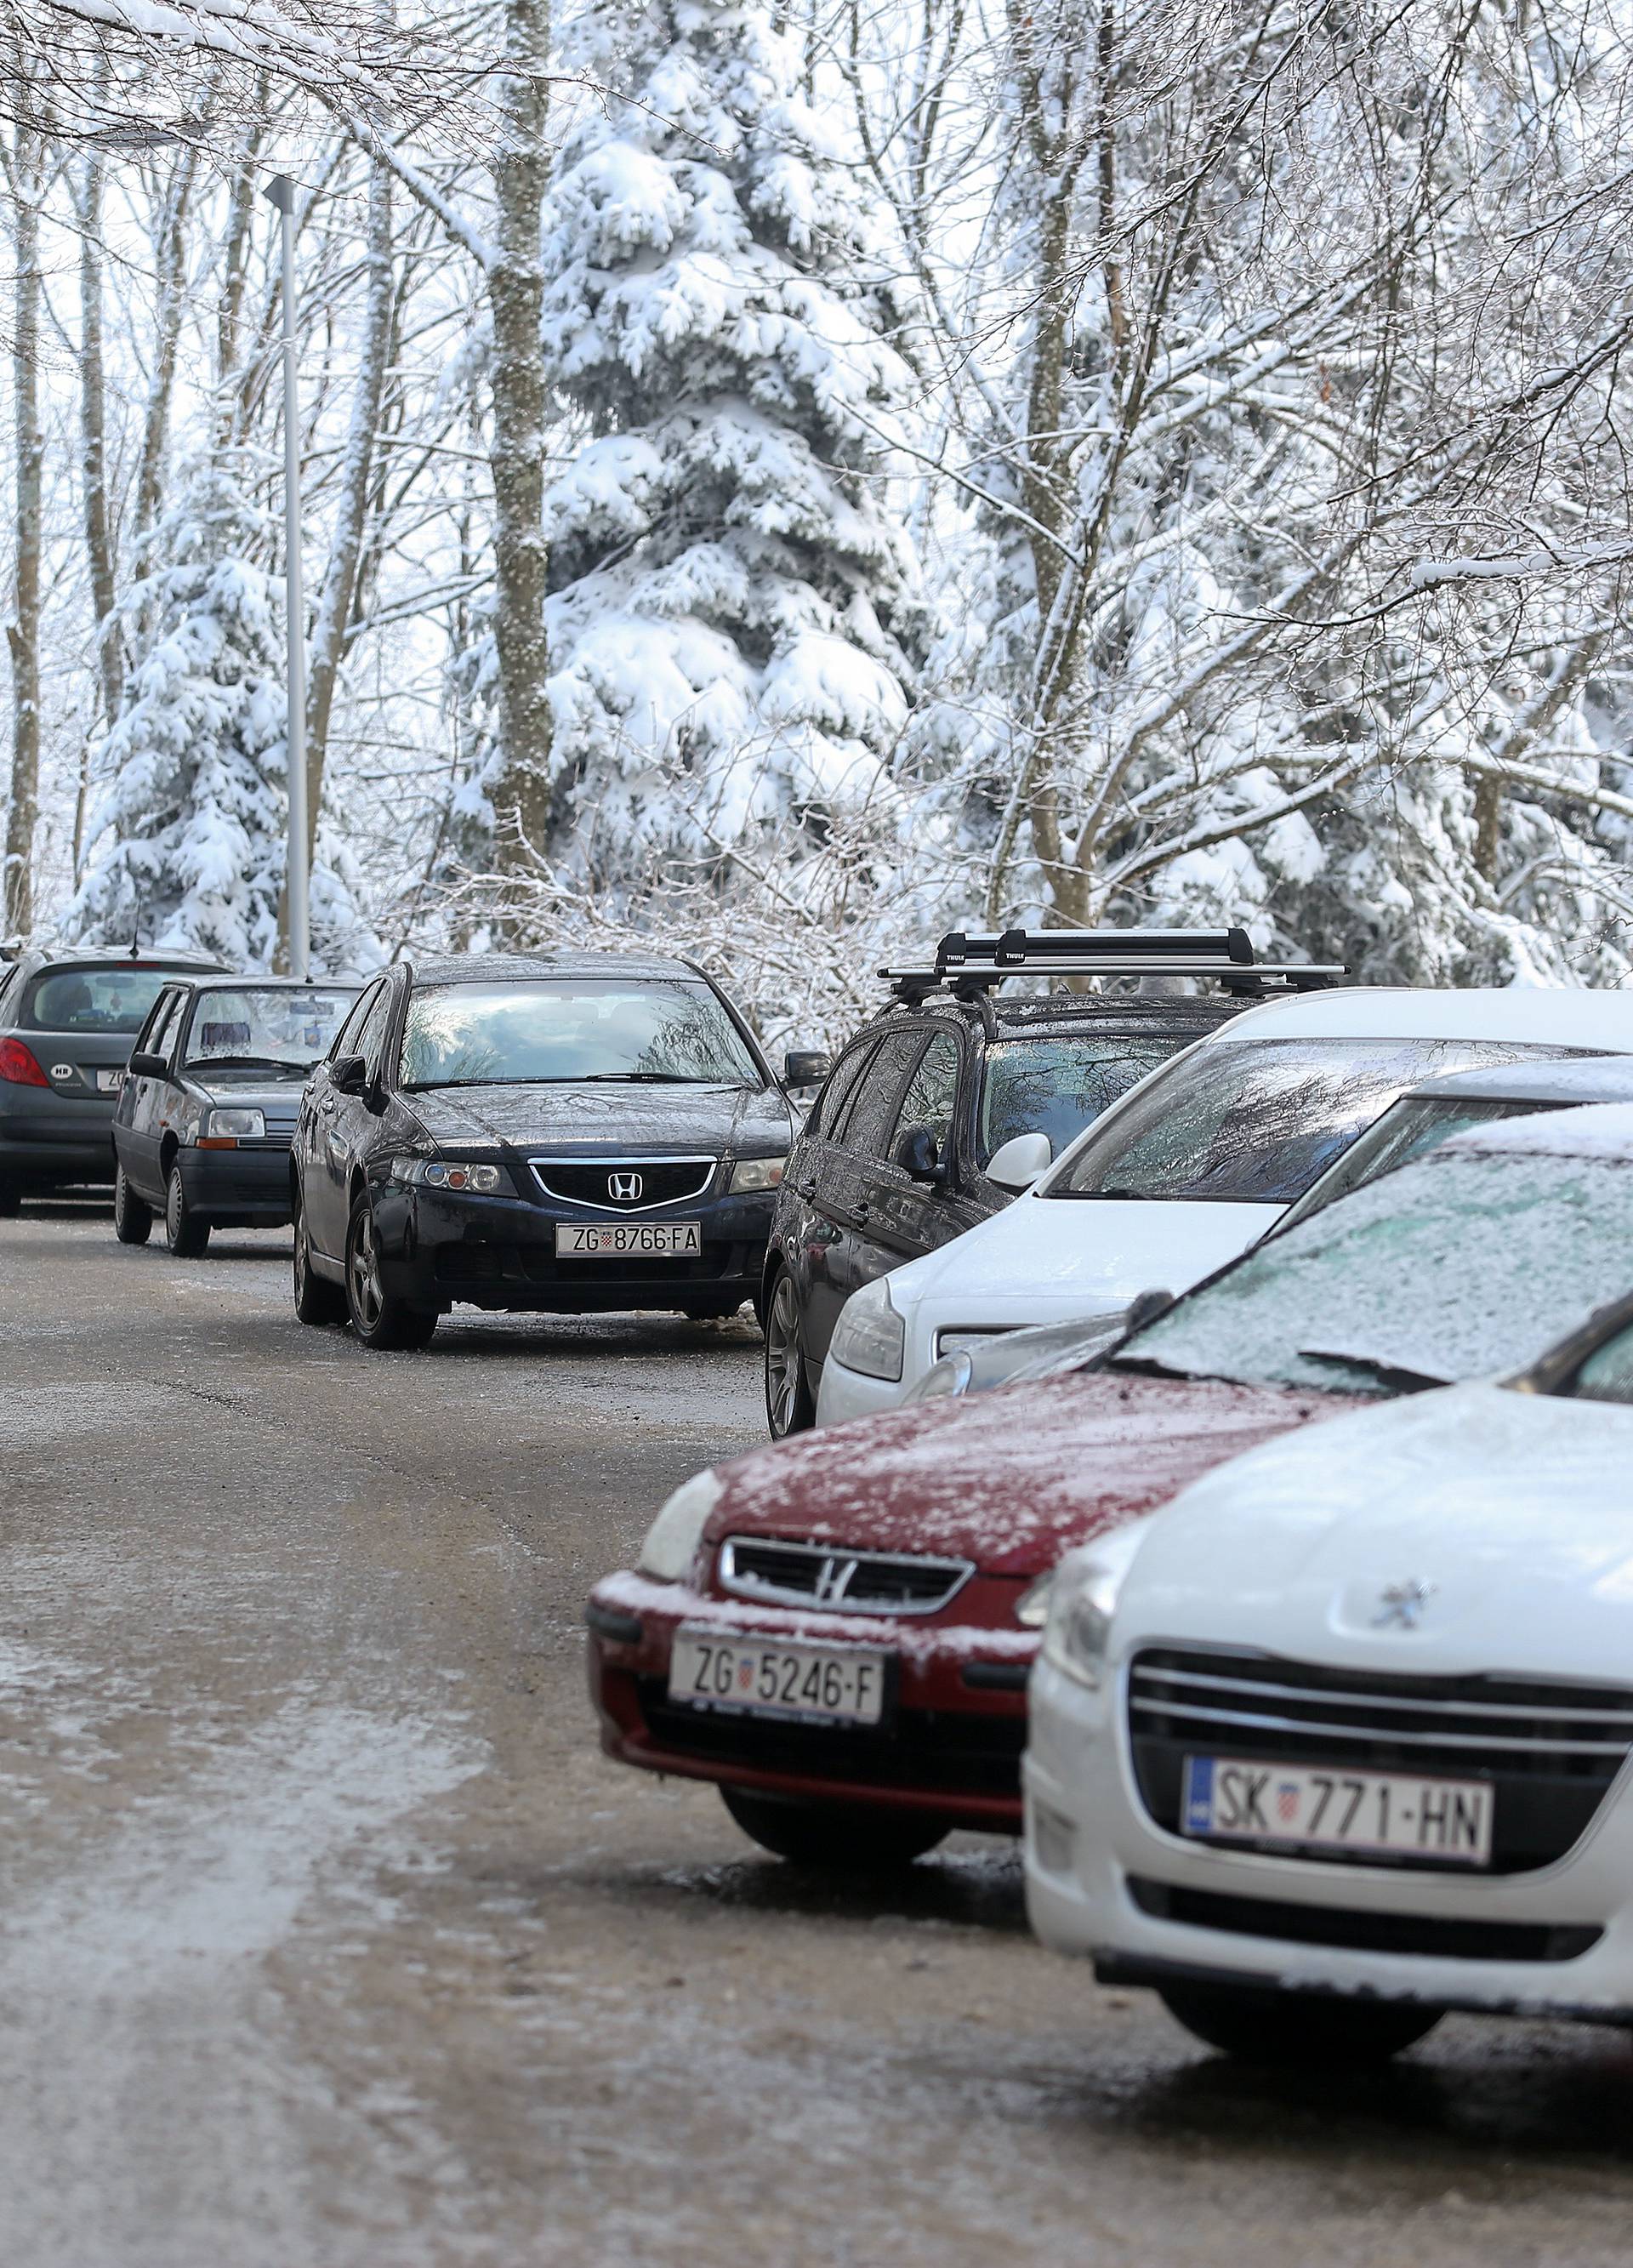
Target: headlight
{"type": "Point", "coordinates": [234, 1126]}
{"type": "Point", "coordinates": [870, 1336]}
{"type": "Point", "coordinates": [751, 1174]}
{"type": "Point", "coordinates": [1032, 1608]}
{"type": "Point", "coordinates": [672, 1539]}
{"type": "Point", "coordinates": [951, 1375]}
{"type": "Point", "coordinates": [448, 1174]}
{"type": "Point", "coordinates": [1078, 1629]}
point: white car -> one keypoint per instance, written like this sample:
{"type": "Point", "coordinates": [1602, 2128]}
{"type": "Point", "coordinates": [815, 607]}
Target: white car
{"type": "Point", "coordinates": [1191, 1168]}
{"type": "Point", "coordinates": [1339, 1740]}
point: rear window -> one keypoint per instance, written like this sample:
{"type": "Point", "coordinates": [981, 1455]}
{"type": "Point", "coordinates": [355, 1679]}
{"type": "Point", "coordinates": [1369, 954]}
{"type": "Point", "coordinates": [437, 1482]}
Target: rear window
{"type": "Point", "coordinates": [1254, 1121]}
{"type": "Point", "coordinates": [93, 1000]}
{"type": "Point", "coordinates": [1057, 1085]}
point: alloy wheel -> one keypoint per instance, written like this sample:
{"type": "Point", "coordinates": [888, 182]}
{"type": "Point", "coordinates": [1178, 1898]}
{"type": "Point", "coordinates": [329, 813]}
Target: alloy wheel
{"type": "Point", "coordinates": [782, 1372]}
{"type": "Point", "coordinates": [367, 1298]}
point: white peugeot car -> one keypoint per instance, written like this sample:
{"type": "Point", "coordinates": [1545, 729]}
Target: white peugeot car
{"type": "Point", "coordinates": [1339, 1738]}
{"type": "Point", "coordinates": [1191, 1168]}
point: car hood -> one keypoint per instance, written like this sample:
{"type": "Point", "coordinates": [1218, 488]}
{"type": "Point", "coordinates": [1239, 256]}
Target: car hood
{"type": "Point", "coordinates": [1513, 1509]}
{"type": "Point", "coordinates": [278, 1098]}
{"type": "Point", "coordinates": [1047, 1258]}
{"type": "Point", "coordinates": [1011, 1479]}
{"type": "Point", "coordinates": [594, 1120]}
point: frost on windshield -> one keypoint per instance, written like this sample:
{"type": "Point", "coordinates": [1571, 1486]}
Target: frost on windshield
{"type": "Point", "coordinates": [1468, 1262]}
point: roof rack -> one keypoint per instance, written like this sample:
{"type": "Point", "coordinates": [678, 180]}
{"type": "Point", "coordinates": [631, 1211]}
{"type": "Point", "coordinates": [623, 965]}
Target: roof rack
{"type": "Point", "coordinates": [968, 966]}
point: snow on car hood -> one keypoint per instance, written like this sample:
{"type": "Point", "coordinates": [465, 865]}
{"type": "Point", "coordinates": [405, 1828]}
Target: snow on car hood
{"type": "Point", "coordinates": [1010, 1479]}
{"type": "Point", "coordinates": [1515, 1507]}
{"type": "Point", "coordinates": [624, 1117]}
{"type": "Point", "coordinates": [1047, 1258]}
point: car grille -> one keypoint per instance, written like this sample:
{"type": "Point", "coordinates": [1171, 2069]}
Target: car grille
{"type": "Point", "coordinates": [960, 1753]}
{"type": "Point", "coordinates": [624, 1185]}
{"type": "Point", "coordinates": [1549, 1749]}
{"type": "Point", "coordinates": [844, 1582]}
{"type": "Point", "coordinates": [1432, 1936]}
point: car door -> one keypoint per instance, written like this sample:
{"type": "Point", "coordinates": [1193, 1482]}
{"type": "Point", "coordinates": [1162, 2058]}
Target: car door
{"type": "Point", "coordinates": [139, 1118]}
{"type": "Point", "coordinates": [901, 1217]}
{"type": "Point", "coordinates": [348, 1125]}
{"type": "Point", "coordinates": [321, 1132]}
{"type": "Point", "coordinates": [854, 1148]}
{"type": "Point", "coordinates": [808, 1213]}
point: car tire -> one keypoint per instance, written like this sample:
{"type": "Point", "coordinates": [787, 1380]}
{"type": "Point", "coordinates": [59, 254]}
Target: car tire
{"type": "Point", "coordinates": [379, 1318]}
{"type": "Point", "coordinates": [133, 1220]}
{"type": "Point", "coordinates": [846, 1837]}
{"type": "Point", "coordinates": [789, 1406]}
{"type": "Point", "coordinates": [1267, 2027]}
{"type": "Point", "coordinates": [317, 1300]}
{"type": "Point", "coordinates": [709, 1311]}
{"type": "Point", "coordinates": [185, 1234]}
{"type": "Point", "coordinates": [10, 1202]}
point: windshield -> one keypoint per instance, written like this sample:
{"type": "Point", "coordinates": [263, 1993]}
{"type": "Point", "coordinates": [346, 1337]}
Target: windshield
{"type": "Point", "coordinates": [1464, 1263]}
{"type": "Point", "coordinates": [94, 1000]}
{"type": "Point", "coordinates": [590, 1028]}
{"type": "Point", "coordinates": [1057, 1085]}
{"type": "Point", "coordinates": [1409, 1128]}
{"type": "Point", "coordinates": [265, 1027]}
{"type": "Point", "coordinates": [1254, 1121]}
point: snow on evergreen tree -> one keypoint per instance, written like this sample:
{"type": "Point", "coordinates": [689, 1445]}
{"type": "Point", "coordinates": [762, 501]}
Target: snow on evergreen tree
{"type": "Point", "coordinates": [188, 847]}
{"type": "Point", "coordinates": [728, 596]}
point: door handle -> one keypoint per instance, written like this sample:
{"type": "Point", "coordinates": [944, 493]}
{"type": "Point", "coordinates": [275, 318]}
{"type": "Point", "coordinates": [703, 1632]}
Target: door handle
{"type": "Point", "coordinates": [806, 1189]}
{"type": "Point", "coordinates": [861, 1213]}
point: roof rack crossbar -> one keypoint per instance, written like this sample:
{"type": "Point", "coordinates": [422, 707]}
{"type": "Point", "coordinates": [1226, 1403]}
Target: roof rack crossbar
{"type": "Point", "coordinates": [1020, 948]}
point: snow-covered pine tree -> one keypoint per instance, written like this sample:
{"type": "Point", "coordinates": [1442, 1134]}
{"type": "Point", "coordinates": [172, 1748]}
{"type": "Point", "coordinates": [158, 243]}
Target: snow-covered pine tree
{"type": "Point", "coordinates": [188, 847]}
{"type": "Point", "coordinates": [728, 595]}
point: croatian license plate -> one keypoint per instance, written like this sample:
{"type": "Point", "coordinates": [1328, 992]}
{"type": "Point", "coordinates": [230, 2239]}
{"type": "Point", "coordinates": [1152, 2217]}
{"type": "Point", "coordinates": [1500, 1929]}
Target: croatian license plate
{"type": "Point", "coordinates": [628, 1239]}
{"type": "Point", "coordinates": [109, 1082]}
{"type": "Point", "coordinates": [1390, 1813]}
{"type": "Point", "coordinates": [835, 1685]}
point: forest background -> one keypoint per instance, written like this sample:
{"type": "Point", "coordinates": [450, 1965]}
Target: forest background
{"type": "Point", "coordinates": [781, 480]}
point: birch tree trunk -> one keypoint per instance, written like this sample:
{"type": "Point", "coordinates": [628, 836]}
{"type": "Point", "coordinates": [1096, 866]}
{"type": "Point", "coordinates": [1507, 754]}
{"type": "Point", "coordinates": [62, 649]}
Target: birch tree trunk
{"type": "Point", "coordinates": [515, 289]}
{"type": "Point", "coordinates": [23, 631]}
{"type": "Point", "coordinates": [93, 443]}
{"type": "Point", "coordinates": [334, 606]}
{"type": "Point", "coordinates": [170, 263]}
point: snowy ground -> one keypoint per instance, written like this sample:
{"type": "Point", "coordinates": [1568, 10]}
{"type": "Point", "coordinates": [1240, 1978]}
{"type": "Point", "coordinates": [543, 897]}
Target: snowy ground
{"type": "Point", "coordinates": [328, 1938]}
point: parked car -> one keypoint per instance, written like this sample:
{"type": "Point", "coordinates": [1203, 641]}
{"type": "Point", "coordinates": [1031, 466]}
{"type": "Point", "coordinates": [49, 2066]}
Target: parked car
{"type": "Point", "coordinates": [572, 1132]}
{"type": "Point", "coordinates": [1339, 1740]}
{"type": "Point", "coordinates": [838, 1629]}
{"type": "Point", "coordinates": [1422, 1117]}
{"type": "Point", "coordinates": [207, 1113]}
{"type": "Point", "coordinates": [955, 1097]}
{"type": "Point", "coordinates": [67, 1021]}
{"type": "Point", "coordinates": [1192, 1167]}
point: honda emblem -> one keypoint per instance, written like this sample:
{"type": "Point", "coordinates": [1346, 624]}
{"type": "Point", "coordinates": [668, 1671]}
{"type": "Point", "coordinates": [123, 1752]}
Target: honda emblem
{"type": "Point", "coordinates": [624, 1189]}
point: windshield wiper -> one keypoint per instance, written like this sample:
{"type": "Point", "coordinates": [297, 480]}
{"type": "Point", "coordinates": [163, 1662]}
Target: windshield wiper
{"type": "Point", "coordinates": [650, 1077]}
{"type": "Point", "coordinates": [247, 1062]}
{"type": "Point", "coordinates": [1399, 1377]}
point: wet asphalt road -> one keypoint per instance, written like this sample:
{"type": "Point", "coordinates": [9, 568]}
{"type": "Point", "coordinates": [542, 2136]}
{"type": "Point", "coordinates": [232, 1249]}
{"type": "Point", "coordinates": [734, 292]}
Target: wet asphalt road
{"type": "Point", "coordinates": [326, 1936]}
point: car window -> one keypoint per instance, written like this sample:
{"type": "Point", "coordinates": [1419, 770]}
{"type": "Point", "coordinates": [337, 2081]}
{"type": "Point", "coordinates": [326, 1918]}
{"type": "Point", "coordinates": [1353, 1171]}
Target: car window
{"type": "Point", "coordinates": [1254, 1121]}
{"type": "Point", "coordinates": [873, 1112]}
{"type": "Point", "coordinates": [931, 1093]}
{"type": "Point", "coordinates": [91, 999]}
{"type": "Point", "coordinates": [1409, 1128]}
{"type": "Point", "coordinates": [1607, 1373]}
{"type": "Point", "coordinates": [578, 1029]}
{"type": "Point", "coordinates": [1058, 1085]}
{"type": "Point", "coordinates": [827, 1113]}
{"type": "Point", "coordinates": [1466, 1262]}
{"type": "Point", "coordinates": [161, 1029]}
{"type": "Point", "coordinates": [265, 1026]}
{"type": "Point", "coordinates": [371, 1039]}
{"type": "Point", "coordinates": [345, 1041]}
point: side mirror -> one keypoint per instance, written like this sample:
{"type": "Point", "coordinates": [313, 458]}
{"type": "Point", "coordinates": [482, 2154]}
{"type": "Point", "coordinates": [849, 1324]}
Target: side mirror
{"type": "Point", "coordinates": [348, 1074]}
{"type": "Point", "coordinates": [1144, 1307]}
{"type": "Point", "coordinates": [918, 1155]}
{"type": "Point", "coordinates": [1017, 1164]}
{"type": "Point", "coordinates": [147, 1066]}
{"type": "Point", "coordinates": [805, 1067]}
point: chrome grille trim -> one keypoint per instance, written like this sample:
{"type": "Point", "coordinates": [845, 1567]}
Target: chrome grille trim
{"type": "Point", "coordinates": [836, 1579]}
{"type": "Point", "coordinates": [1254, 1721]}
{"type": "Point", "coordinates": [707, 1168]}
{"type": "Point", "coordinates": [1336, 1697]}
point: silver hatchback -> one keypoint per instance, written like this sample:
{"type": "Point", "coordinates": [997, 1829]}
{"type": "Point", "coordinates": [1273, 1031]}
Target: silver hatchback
{"type": "Point", "coordinates": [67, 1022]}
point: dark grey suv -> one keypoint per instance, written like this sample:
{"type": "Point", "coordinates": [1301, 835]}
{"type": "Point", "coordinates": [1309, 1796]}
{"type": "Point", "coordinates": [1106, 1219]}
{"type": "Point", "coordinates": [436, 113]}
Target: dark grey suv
{"type": "Point", "coordinates": [67, 1023]}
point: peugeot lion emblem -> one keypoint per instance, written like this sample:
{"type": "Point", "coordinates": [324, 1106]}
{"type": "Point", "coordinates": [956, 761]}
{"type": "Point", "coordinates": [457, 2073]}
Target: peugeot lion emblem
{"type": "Point", "coordinates": [624, 1189]}
{"type": "Point", "coordinates": [1401, 1605]}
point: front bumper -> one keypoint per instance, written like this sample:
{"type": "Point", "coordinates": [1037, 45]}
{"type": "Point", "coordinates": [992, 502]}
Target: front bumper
{"type": "Point", "coordinates": [439, 1249]}
{"type": "Point", "coordinates": [1148, 1907]}
{"type": "Point", "coordinates": [244, 1187]}
{"type": "Point", "coordinates": [951, 1747]}
{"type": "Point", "coordinates": [845, 1394]}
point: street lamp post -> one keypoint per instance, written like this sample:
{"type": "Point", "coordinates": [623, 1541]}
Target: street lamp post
{"type": "Point", "coordinates": [281, 190]}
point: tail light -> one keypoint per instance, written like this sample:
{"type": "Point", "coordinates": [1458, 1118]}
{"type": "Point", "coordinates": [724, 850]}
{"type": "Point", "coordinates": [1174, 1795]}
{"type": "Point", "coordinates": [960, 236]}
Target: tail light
{"type": "Point", "coordinates": [17, 1065]}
